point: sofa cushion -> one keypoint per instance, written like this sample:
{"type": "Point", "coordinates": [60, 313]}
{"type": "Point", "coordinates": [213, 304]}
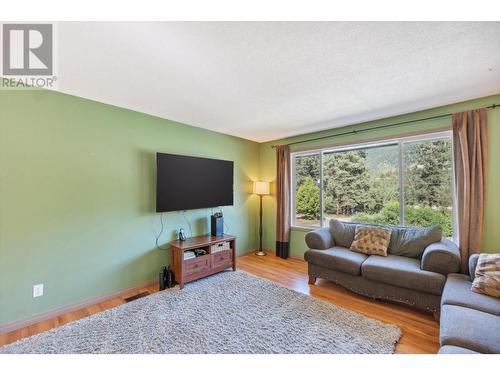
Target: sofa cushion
{"type": "Point", "coordinates": [411, 242]}
{"type": "Point", "coordinates": [337, 258]}
{"type": "Point", "coordinates": [487, 275]}
{"type": "Point", "coordinates": [470, 329]}
{"type": "Point", "coordinates": [403, 272]}
{"type": "Point", "coordinates": [405, 241]}
{"type": "Point", "coordinates": [371, 240]}
{"type": "Point", "coordinates": [343, 233]}
{"type": "Point", "coordinates": [457, 291]}
{"type": "Point", "coordinates": [451, 349]}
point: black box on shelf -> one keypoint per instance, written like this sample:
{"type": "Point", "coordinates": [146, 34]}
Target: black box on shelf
{"type": "Point", "coordinates": [217, 225]}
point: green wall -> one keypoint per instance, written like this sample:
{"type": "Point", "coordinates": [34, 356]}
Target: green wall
{"type": "Point", "coordinates": [491, 238]}
{"type": "Point", "coordinates": [77, 197]}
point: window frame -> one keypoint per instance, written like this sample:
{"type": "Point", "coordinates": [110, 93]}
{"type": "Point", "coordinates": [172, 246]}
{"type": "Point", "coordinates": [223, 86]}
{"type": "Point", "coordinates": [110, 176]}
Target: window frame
{"type": "Point", "coordinates": [399, 142]}
{"type": "Point", "coordinates": [293, 204]}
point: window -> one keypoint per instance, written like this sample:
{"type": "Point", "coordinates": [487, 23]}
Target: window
{"type": "Point", "coordinates": [306, 189]}
{"type": "Point", "coordinates": [407, 181]}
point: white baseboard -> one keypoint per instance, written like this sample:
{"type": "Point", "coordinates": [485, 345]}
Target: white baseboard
{"type": "Point", "coordinates": [34, 319]}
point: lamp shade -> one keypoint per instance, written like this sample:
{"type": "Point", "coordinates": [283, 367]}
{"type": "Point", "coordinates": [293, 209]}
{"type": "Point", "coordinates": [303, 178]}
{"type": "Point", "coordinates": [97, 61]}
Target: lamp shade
{"type": "Point", "coordinates": [261, 187]}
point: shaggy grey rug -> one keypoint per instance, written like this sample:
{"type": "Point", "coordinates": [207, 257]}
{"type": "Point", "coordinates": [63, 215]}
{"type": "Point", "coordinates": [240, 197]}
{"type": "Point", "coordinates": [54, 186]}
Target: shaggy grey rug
{"type": "Point", "coordinates": [231, 312]}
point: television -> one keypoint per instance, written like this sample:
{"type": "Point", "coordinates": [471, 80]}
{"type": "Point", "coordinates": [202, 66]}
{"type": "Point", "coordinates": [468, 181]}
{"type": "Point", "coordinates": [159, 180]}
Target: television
{"type": "Point", "coordinates": [186, 182]}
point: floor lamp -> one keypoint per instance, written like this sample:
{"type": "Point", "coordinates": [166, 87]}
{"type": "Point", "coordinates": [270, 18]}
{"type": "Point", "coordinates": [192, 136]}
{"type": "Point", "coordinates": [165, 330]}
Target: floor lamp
{"type": "Point", "coordinates": [261, 188]}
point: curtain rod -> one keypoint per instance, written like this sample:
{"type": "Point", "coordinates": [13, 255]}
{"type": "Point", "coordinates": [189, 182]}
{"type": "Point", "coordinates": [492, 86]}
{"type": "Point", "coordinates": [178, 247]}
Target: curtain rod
{"type": "Point", "coordinates": [493, 106]}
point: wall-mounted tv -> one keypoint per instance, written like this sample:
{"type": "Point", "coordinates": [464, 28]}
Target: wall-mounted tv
{"type": "Point", "coordinates": [186, 182]}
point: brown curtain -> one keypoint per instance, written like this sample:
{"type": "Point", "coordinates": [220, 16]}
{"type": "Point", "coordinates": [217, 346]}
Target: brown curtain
{"type": "Point", "coordinates": [470, 156]}
{"type": "Point", "coordinates": [283, 200]}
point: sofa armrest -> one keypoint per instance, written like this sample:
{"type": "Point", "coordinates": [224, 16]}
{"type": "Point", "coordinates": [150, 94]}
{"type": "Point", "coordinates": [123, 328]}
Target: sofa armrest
{"type": "Point", "coordinates": [319, 239]}
{"type": "Point", "coordinates": [472, 266]}
{"type": "Point", "coordinates": [442, 257]}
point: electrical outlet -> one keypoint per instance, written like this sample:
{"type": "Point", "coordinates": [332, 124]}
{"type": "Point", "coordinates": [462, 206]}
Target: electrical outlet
{"type": "Point", "coordinates": [37, 290]}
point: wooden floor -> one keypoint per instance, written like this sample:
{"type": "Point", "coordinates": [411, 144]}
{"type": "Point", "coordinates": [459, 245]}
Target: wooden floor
{"type": "Point", "coordinates": [420, 330]}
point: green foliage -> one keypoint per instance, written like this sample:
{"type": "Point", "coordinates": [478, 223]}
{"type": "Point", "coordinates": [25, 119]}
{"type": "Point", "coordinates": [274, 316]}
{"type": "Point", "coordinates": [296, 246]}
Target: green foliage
{"type": "Point", "coordinates": [364, 184]}
{"type": "Point", "coordinates": [384, 188]}
{"type": "Point", "coordinates": [346, 182]}
{"type": "Point", "coordinates": [428, 173]}
{"type": "Point", "coordinates": [306, 166]}
{"type": "Point", "coordinates": [414, 217]}
{"type": "Point", "coordinates": [308, 199]}
{"type": "Point", "coordinates": [426, 216]}
{"type": "Point", "coordinates": [388, 215]}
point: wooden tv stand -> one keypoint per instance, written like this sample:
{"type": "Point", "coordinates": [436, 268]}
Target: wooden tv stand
{"type": "Point", "coordinates": [204, 265]}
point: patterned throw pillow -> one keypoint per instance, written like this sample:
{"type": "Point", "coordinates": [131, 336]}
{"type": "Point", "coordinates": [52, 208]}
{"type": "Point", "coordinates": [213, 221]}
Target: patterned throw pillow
{"type": "Point", "coordinates": [487, 277]}
{"type": "Point", "coordinates": [371, 240]}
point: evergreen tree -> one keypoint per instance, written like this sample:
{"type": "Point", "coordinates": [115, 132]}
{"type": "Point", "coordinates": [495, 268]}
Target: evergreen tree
{"type": "Point", "coordinates": [347, 182]}
{"type": "Point", "coordinates": [306, 166]}
{"type": "Point", "coordinates": [308, 199]}
{"type": "Point", "coordinates": [428, 174]}
{"type": "Point", "coordinates": [365, 183]}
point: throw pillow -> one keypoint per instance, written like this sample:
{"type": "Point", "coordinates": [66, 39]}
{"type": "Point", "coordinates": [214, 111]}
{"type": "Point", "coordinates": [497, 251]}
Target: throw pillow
{"type": "Point", "coordinates": [487, 277]}
{"type": "Point", "coordinates": [371, 240]}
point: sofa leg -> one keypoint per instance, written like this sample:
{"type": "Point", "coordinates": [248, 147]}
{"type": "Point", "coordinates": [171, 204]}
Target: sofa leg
{"type": "Point", "coordinates": [436, 316]}
{"type": "Point", "coordinates": [312, 280]}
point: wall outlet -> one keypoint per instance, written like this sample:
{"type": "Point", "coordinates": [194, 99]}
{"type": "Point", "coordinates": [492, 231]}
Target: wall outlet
{"type": "Point", "coordinates": [37, 290]}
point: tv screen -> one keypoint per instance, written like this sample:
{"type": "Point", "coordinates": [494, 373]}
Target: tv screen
{"type": "Point", "coordinates": [185, 182]}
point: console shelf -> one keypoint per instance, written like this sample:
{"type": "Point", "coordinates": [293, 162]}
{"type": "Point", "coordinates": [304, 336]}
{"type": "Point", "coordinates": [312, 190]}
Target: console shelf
{"type": "Point", "coordinates": [204, 265]}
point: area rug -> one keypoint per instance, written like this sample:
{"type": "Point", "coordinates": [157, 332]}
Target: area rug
{"type": "Point", "coordinates": [231, 312]}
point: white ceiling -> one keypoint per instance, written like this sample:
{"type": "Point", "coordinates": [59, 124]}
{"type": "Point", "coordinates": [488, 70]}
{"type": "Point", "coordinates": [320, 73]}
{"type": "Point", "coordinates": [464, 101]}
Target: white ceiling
{"type": "Point", "coordinates": [269, 80]}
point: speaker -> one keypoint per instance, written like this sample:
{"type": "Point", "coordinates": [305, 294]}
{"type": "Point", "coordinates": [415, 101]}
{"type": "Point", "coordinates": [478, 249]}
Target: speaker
{"type": "Point", "coordinates": [166, 278]}
{"type": "Point", "coordinates": [217, 225]}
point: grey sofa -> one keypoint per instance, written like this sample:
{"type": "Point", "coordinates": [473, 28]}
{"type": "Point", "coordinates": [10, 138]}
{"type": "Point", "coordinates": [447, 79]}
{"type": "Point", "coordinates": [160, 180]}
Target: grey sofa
{"type": "Point", "coordinates": [413, 273]}
{"type": "Point", "coordinates": [470, 322]}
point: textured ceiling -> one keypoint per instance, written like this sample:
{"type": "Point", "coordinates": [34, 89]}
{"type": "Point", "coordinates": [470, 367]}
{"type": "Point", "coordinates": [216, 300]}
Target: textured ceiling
{"type": "Point", "coordinates": [269, 80]}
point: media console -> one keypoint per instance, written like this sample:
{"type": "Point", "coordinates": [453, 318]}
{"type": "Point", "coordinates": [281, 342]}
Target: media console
{"type": "Point", "coordinates": [215, 260]}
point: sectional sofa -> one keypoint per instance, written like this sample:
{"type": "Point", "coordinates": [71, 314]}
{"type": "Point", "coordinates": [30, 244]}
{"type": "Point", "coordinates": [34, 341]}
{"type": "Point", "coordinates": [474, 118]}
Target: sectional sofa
{"type": "Point", "coordinates": [421, 270]}
{"type": "Point", "coordinates": [470, 322]}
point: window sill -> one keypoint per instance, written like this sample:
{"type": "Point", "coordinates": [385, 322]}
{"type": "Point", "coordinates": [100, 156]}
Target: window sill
{"type": "Point", "coordinates": [303, 229]}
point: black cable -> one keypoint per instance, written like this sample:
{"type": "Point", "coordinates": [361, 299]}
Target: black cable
{"type": "Point", "coordinates": [159, 234]}
{"type": "Point", "coordinates": [226, 227]}
{"type": "Point", "coordinates": [190, 229]}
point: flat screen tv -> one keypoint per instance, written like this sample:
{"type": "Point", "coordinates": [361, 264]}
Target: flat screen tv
{"type": "Point", "coordinates": [186, 182]}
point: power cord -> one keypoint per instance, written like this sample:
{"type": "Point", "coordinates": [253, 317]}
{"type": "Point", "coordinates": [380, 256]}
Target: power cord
{"type": "Point", "coordinates": [189, 223]}
{"type": "Point", "coordinates": [159, 234]}
{"type": "Point", "coordinates": [226, 227]}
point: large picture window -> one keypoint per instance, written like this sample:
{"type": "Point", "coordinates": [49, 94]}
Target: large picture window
{"type": "Point", "coordinates": [406, 181]}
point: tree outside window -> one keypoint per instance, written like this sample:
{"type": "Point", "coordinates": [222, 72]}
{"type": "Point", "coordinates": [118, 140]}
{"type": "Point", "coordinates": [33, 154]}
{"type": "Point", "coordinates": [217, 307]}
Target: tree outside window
{"type": "Point", "coordinates": [363, 184]}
